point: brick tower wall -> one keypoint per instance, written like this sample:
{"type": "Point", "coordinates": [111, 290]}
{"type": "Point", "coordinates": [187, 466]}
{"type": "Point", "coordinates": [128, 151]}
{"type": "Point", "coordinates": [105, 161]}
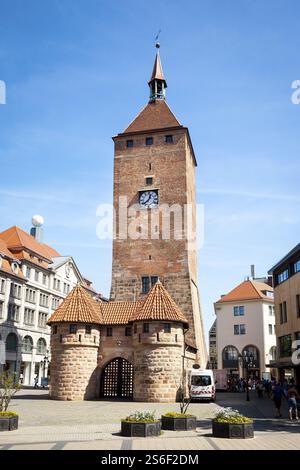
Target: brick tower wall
{"type": "Point", "coordinates": [74, 363]}
{"type": "Point", "coordinates": [157, 362]}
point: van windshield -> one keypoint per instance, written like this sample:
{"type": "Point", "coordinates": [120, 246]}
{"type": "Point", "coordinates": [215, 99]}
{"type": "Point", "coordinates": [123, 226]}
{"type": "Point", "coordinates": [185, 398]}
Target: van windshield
{"type": "Point", "coordinates": [201, 380]}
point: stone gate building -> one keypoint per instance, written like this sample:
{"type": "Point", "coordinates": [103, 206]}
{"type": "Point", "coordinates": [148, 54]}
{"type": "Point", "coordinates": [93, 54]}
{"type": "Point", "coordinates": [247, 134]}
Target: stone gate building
{"type": "Point", "coordinates": [140, 343]}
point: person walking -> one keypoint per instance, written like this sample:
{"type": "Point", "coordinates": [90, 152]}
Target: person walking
{"type": "Point", "coordinates": [292, 396]}
{"type": "Point", "coordinates": [278, 393]}
{"type": "Point", "coordinates": [36, 381]}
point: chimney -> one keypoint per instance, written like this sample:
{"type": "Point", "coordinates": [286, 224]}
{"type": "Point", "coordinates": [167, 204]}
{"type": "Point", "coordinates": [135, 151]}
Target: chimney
{"type": "Point", "coordinates": [253, 271]}
{"type": "Point", "coordinates": [37, 231]}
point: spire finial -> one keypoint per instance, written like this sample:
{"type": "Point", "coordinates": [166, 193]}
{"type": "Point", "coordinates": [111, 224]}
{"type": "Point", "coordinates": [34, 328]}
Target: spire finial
{"type": "Point", "coordinates": [157, 44]}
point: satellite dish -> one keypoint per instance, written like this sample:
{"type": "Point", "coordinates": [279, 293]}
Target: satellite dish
{"type": "Point", "coordinates": [37, 220]}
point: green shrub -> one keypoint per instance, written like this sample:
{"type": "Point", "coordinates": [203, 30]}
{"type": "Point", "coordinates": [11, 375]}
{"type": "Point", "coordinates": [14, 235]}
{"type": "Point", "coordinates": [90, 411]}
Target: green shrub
{"type": "Point", "coordinates": [8, 414]}
{"type": "Point", "coordinates": [173, 414]}
{"type": "Point", "coordinates": [230, 416]}
{"type": "Point", "coordinates": [141, 417]}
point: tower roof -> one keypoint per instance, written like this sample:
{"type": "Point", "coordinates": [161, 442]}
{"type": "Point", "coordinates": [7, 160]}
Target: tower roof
{"type": "Point", "coordinates": [159, 305]}
{"type": "Point", "coordinates": [248, 290]}
{"type": "Point", "coordinates": [155, 115]}
{"type": "Point", "coordinates": [157, 72]}
{"type": "Point", "coordinates": [78, 307]}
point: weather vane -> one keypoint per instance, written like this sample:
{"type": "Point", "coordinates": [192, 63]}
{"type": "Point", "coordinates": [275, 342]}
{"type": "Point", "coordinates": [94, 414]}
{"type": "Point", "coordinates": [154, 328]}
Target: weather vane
{"type": "Point", "coordinates": [156, 39]}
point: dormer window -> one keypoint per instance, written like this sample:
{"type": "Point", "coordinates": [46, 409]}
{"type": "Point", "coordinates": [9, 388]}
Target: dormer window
{"type": "Point", "coordinates": [15, 267]}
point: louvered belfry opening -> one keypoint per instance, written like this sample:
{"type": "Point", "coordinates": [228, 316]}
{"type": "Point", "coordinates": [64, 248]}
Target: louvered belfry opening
{"type": "Point", "coordinates": [117, 379]}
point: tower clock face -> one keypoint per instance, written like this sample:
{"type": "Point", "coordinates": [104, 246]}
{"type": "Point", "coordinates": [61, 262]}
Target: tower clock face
{"type": "Point", "coordinates": [149, 199]}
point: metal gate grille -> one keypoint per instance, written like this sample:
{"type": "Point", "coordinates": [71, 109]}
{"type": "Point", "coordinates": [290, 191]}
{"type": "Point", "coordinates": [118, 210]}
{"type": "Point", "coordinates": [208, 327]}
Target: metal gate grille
{"type": "Point", "coordinates": [117, 379]}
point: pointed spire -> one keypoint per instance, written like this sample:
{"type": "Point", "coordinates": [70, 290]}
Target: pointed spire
{"type": "Point", "coordinates": [157, 82]}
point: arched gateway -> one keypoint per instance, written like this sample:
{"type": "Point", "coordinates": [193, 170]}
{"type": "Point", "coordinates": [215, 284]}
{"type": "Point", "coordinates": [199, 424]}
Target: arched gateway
{"type": "Point", "coordinates": [117, 379]}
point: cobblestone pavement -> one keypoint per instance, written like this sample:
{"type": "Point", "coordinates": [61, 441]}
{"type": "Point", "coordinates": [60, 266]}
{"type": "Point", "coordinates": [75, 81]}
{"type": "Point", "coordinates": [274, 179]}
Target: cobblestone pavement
{"type": "Point", "coordinates": [46, 424]}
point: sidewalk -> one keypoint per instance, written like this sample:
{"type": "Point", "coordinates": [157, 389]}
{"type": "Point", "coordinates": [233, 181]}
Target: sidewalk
{"type": "Point", "coordinates": [46, 424]}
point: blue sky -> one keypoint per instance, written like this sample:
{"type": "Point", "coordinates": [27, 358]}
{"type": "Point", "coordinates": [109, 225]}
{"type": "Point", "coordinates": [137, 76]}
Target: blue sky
{"type": "Point", "coordinates": [76, 73]}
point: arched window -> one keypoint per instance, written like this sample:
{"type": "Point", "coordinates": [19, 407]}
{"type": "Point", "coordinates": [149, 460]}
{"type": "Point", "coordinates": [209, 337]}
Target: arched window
{"type": "Point", "coordinates": [41, 347]}
{"type": "Point", "coordinates": [27, 344]}
{"type": "Point", "coordinates": [11, 342]}
{"type": "Point", "coordinates": [230, 357]}
{"type": "Point", "coordinates": [253, 352]}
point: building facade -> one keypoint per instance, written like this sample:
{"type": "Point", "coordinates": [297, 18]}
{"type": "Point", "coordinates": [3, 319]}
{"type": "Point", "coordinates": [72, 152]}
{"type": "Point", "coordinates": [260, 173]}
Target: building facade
{"type": "Point", "coordinates": [286, 279]}
{"type": "Point", "coordinates": [246, 323]}
{"type": "Point", "coordinates": [34, 279]}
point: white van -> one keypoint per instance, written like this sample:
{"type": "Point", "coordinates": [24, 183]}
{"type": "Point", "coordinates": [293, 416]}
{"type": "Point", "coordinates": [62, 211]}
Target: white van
{"type": "Point", "coordinates": [202, 385]}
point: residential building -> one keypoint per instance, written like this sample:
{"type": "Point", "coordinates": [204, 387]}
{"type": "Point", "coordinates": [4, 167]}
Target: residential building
{"type": "Point", "coordinates": [246, 323]}
{"type": "Point", "coordinates": [286, 279]}
{"type": "Point", "coordinates": [34, 279]}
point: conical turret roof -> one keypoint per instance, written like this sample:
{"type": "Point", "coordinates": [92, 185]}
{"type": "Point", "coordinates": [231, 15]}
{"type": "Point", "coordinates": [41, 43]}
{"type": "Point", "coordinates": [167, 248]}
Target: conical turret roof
{"type": "Point", "coordinates": [159, 305]}
{"type": "Point", "coordinates": [78, 307]}
{"type": "Point", "coordinates": [157, 72]}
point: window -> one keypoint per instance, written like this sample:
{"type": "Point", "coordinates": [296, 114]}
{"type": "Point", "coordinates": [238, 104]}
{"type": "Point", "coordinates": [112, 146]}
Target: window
{"type": "Point", "coordinates": [269, 293]}
{"type": "Point", "coordinates": [2, 286]}
{"type": "Point", "coordinates": [271, 310]}
{"type": "Point", "coordinates": [135, 328]}
{"type": "Point", "coordinates": [13, 312]}
{"type": "Point", "coordinates": [15, 290]}
{"type": "Point", "coordinates": [297, 266]}
{"type": "Point", "coordinates": [239, 329]}
{"type": "Point", "coordinates": [30, 295]}
{"type": "Point", "coordinates": [167, 327]}
{"type": "Point", "coordinates": [41, 346]}
{"type": "Point", "coordinates": [66, 288]}
{"type": "Point", "coordinates": [201, 380]}
{"type": "Point", "coordinates": [109, 331]}
{"type": "Point", "coordinates": [298, 305]}
{"type": "Point", "coordinates": [238, 311]}
{"type": "Point", "coordinates": [169, 139]}
{"type": "Point", "coordinates": [27, 344]}
{"type": "Point", "coordinates": [270, 329]}
{"type": "Point", "coordinates": [128, 331]}
{"type": "Point", "coordinates": [145, 327]}
{"type": "Point", "coordinates": [1, 309]}
{"type": "Point", "coordinates": [29, 316]}
{"type": "Point", "coordinates": [44, 279]}
{"type": "Point", "coordinates": [154, 280]}
{"type": "Point", "coordinates": [11, 344]}
{"type": "Point", "coordinates": [285, 345]}
{"type": "Point", "coordinates": [283, 276]}
{"type": "Point", "coordinates": [44, 300]}
{"type": "Point", "coordinates": [28, 271]}
{"type": "Point", "coordinates": [149, 180]}
{"type": "Point", "coordinates": [36, 276]}
{"type": "Point", "coordinates": [56, 284]}
{"type": "Point", "coordinates": [129, 143]}
{"type": "Point", "coordinates": [149, 140]}
{"type": "Point", "coordinates": [145, 285]}
{"type": "Point", "coordinates": [88, 329]}
{"type": "Point", "coordinates": [55, 302]}
{"type": "Point", "coordinates": [73, 329]}
{"type": "Point", "coordinates": [283, 313]}
{"type": "Point", "coordinates": [54, 329]}
{"type": "Point", "coordinates": [42, 320]}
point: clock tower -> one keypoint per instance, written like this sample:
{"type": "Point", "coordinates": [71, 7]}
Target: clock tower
{"type": "Point", "coordinates": [155, 210]}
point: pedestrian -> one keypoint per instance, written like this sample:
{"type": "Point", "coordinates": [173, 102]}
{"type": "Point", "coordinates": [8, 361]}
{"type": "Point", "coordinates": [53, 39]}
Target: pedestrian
{"type": "Point", "coordinates": [21, 378]}
{"type": "Point", "coordinates": [260, 389]}
{"type": "Point", "coordinates": [292, 396]}
{"type": "Point", "coordinates": [278, 393]}
{"type": "Point", "coordinates": [36, 381]}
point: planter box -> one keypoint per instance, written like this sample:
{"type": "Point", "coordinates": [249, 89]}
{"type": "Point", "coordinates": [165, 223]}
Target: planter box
{"type": "Point", "coordinates": [188, 423]}
{"type": "Point", "coordinates": [9, 424]}
{"type": "Point", "coordinates": [233, 431]}
{"type": "Point", "coordinates": [140, 429]}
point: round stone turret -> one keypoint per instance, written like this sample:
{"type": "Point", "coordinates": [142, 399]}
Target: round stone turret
{"type": "Point", "coordinates": [158, 344]}
{"type": "Point", "coordinates": [75, 339]}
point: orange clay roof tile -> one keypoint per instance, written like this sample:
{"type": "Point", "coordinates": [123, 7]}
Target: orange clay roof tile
{"type": "Point", "coordinates": [247, 290]}
{"type": "Point", "coordinates": [155, 115]}
{"type": "Point", "coordinates": [16, 238]}
{"type": "Point", "coordinates": [78, 307]}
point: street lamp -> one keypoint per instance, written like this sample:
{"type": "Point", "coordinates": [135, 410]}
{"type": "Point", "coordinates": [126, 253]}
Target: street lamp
{"type": "Point", "coordinates": [44, 363]}
{"type": "Point", "coordinates": [247, 359]}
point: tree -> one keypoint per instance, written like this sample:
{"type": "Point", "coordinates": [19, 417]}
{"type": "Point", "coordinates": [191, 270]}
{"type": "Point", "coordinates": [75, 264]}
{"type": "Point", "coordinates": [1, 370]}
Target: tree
{"type": "Point", "coordinates": [8, 387]}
